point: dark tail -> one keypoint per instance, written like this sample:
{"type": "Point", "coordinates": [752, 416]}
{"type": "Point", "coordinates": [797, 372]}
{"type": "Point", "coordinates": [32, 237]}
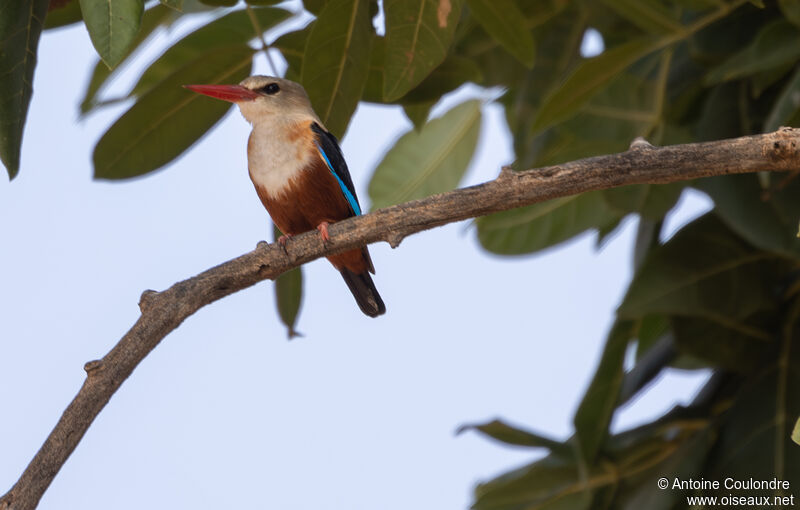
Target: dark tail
{"type": "Point", "coordinates": [365, 292]}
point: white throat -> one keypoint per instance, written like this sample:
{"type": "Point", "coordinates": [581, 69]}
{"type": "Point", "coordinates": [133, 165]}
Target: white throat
{"type": "Point", "coordinates": [274, 157]}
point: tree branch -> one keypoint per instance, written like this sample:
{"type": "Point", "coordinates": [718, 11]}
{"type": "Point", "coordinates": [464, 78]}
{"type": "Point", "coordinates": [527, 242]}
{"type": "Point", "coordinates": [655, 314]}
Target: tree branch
{"type": "Point", "coordinates": [164, 311]}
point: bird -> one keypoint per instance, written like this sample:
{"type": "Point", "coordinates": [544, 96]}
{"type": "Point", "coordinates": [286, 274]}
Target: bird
{"type": "Point", "coordinates": [299, 172]}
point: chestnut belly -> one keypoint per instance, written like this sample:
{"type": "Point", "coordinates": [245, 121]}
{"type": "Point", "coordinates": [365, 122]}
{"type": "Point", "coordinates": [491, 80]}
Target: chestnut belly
{"type": "Point", "coordinates": [310, 198]}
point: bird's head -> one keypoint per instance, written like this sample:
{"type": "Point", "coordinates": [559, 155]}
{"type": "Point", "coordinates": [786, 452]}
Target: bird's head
{"type": "Point", "coordinates": [262, 98]}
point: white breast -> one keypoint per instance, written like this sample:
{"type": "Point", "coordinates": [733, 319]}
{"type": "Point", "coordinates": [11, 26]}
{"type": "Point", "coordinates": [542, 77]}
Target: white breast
{"type": "Point", "coordinates": [273, 158]}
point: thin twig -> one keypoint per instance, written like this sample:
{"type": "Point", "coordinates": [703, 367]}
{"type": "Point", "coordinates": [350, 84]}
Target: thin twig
{"type": "Point", "coordinates": [164, 311]}
{"type": "Point", "coordinates": [260, 34]}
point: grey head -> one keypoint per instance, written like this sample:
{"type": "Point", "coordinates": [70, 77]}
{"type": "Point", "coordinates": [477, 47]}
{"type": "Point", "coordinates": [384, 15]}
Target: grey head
{"type": "Point", "coordinates": [276, 99]}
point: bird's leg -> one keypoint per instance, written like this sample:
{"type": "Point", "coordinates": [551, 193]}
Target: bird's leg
{"type": "Point", "coordinates": [323, 231]}
{"type": "Point", "coordinates": [282, 241]}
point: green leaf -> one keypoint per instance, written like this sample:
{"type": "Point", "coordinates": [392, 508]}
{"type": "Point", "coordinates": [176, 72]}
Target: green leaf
{"type": "Point", "coordinates": [432, 160]}
{"type": "Point", "coordinates": [152, 19]}
{"type": "Point", "coordinates": [173, 4]}
{"type": "Point", "coordinates": [767, 222]}
{"type": "Point", "coordinates": [336, 61]}
{"type": "Point", "coordinates": [755, 437]}
{"type": "Point", "coordinates": [168, 119]}
{"type": "Point", "coordinates": [675, 445]}
{"type": "Point", "coordinates": [651, 329]}
{"type": "Point", "coordinates": [418, 113]}
{"type": "Point", "coordinates": [220, 3]}
{"type": "Point", "coordinates": [796, 432]}
{"type": "Point", "coordinates": [697, 5]}
{"type": "Point", "coordinates": [373, 89]}
{"type": "Point", "coordinates": [20, 28]}
{"type": "Point", "coordinates": [498, 66]}
{"type": "Point", "coordinates": [234, 28]}
{"type": "Point", "coordinates": [730, 34]}
{"type": "Point", "coordinates": [703, 271]}
{"type": "Point", "coordinates": [558, 50]}
{"type": "Point", "coordinates": [651, 361]}
{"type": "Point", "coordinates": [652, 16]}
{"type": "Point", "coordinates": [451, 74]}
{"type": "Point", "coordinates": [195, 6]}
{"type": "Point", "coordinates": [763, 80]}
{"type": "Point", "coordinates": [314, 6]}
{"type": "Point", "coordinates": [289, 295]}
{"type": "Point", "coordinates": [786, 106]}
{"type": "Point", "coordinates": [791, 10]}
{"type": "Point", "coordinates": [418, 36]}
{"type": "Point", "coordinates": [503, 20]}
{"type": "Point", "coordinates": [594, 414]}
{"type": "Point", "coordinates": [647, 234]}
{"type": "Point", "coordinates": [630, 105]}
{"type": "Point", "coordinates": [539, 226]}
{"type": "Point", "coordinates": [588, 79]}
{"type": "Point", "coordinates": [61, 16]}
{"type": "Point", "coordinates": [507, 434]}
{"type": "Point", "coordinates": [553, 483]}
{"type": "Point", "coordinates": [607, 233]}
{"type": "Point", "coordinates": [292, 46]}
{"type": "Point", "coordinates": [720, 346]}
{"type": "Point", "coordinates": [652, 201]}
{"type": "Point", "coordinates": [684, 462]}
{"type": "Point", "coordinates": [776, 44]}
{"type": "Point", "coordinates": [100, 76]}
{"type": "Point", "coordinates": [722, 113]}
{"type": "Point", "coordinates": [112, 25]}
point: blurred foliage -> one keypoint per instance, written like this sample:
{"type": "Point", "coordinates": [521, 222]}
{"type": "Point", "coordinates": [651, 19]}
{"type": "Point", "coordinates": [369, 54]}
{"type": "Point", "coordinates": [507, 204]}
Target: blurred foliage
{"type": "Point", "coordinates": [112, 26]}
{"type": "Point", "coordinates": [288, 294]}
{"type": "Point", "coordinates": [20, 27]}
{"type": "Point", "coordinates": [723, 293]}
{"type": "Point", "coordinates": [430, 160]}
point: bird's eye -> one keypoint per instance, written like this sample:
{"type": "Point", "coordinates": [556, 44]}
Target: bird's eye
{"type": "Point", "coordinates": [271, 88]}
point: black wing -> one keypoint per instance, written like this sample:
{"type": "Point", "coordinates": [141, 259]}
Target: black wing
{"type": "Point", "coordinates": [329, 147]}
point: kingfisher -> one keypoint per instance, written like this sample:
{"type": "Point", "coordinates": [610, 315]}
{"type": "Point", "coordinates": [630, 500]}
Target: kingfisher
{"type": "Point", "coordinates": [299, 171]}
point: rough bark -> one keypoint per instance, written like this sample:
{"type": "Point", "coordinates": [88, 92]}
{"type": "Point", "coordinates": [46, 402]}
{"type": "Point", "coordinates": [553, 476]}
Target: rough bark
{"type": "Point", "coordinates": [162, 312]}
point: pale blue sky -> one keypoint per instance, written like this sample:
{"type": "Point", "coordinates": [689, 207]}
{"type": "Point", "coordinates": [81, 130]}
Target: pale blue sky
{"type": "Point", "coordinates": [359, 413]}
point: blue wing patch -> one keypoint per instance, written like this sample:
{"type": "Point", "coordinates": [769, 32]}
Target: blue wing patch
{"type": "Point", "coordinates": [347, 194]}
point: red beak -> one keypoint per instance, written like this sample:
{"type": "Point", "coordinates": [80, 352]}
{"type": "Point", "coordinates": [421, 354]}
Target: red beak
{"type": "Point", "coordinates": [232, 93]}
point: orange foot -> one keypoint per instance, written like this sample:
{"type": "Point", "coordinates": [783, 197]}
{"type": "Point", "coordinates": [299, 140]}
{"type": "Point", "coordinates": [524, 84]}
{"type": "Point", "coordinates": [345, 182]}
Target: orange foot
{"type": "Point", "coordinates": [282, 240]}
{"type": "Point", "coordinates": [323, 231]}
